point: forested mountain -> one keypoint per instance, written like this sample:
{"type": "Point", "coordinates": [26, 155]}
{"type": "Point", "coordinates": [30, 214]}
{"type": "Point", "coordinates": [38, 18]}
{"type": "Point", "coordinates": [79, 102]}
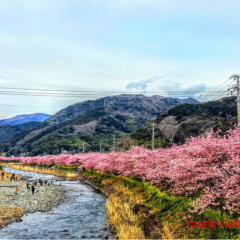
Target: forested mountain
{"type": "Point", "coordinates": [187, 120]}
{"type": "Point", "coordinates": [86, 124]}
{"type": "Point", "coordinates": [7, 131]}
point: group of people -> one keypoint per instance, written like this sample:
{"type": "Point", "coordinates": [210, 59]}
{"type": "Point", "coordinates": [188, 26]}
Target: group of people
{"type": "Point", "coordinates": [13, 177]}
{"type": "Point", "coordinates": [33, 186]}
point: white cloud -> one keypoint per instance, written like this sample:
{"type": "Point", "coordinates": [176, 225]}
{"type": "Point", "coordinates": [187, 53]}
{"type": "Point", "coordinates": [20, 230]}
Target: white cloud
{"type": "Point", "coordinates": [105, 45]}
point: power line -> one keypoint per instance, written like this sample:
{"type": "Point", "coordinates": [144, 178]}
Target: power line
{"type": "Point", "coordinates": [237, 88]}
{"type": "Point", "coordinates": [112, 92]}
{"type": "Point", "coordinates": [211, 95]}
{"type": "Point", "coordinates": [153, 136]}
{"type": "Point", "coordinates": [183, 94]}
{"type": "Point", "coordinates": [114, 142]}
{"type": "Point", "coordinates": [219, 96]}
{"type": "Point", "coordinates": [101, 146]}
{"type": "Point", "coordinates": [215, 98]}
{"type": "Point", "coordinates": [85, 91]}
{"type": "Point", "coordinates": [214, 90]}
{"type": "Point", "coordinates": [27, 106]}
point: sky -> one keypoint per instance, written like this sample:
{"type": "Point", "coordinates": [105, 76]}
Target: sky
{"type": "Point", "coordinates": [109, 46]}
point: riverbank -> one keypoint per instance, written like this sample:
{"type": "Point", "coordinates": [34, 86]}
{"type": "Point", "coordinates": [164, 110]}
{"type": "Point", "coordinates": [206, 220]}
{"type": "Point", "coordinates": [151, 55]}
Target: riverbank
{"type": "Point", "coordinates": [127, 216]}
{"type": "Point", "coordinates": [83, 216]}
{"type": "Point", "coordinates": [6, 176]}
{"type": "Point", "coordinates": [8, 214]}
{"type": "Point", "coordinates": [14, 206]}
{"type": "Point", "coordinates": [46, 170]}
{"type": "Point", "coordinates": [139, 210]}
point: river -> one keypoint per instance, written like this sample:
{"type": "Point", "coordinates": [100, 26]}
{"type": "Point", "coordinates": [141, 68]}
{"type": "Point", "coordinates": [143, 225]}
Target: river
{"type": "Point", "coordinates": [83, 217]}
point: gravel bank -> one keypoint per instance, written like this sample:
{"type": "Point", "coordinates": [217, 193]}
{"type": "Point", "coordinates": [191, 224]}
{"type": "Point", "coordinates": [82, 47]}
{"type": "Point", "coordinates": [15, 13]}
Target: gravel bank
{"type": "Point", "coordinates": [44, 199]}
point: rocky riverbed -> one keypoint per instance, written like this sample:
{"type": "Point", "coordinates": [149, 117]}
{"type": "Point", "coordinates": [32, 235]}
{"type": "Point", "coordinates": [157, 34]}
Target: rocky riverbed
{"type": "Point", "coordinates": [81, 217]}
{"type": "Point", "coordinates": [44, 199]}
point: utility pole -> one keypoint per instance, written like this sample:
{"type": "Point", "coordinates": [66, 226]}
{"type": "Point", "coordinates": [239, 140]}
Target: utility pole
{"type": "Point", "coordinates": [114, 142]}
{"type": "Point", "coordinates": [101, 146]}
{"type": "Point", "coordinates": [153, 136]}
{"type": "Point", "coordinates": [83, 148]}
{"type": "Point", "coordinates": [237, 89]}
{"type": "Point", "coordinates": [238, 100]}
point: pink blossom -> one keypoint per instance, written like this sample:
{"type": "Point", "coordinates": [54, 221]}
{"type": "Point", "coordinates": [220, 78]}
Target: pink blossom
{"type": "Point", "coordinates": [210, 164]}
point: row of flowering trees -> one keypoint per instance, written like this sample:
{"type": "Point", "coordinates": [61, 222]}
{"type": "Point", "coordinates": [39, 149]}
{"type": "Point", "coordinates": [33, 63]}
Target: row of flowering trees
{"type": "Point", "coordinates": [9, 159]}
{"type": "Point", "coordinates": [209, 164]}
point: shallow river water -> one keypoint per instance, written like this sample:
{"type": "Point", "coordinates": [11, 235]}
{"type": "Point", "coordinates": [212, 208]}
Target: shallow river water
{"type": "Point", "coordinates": [81, 218]}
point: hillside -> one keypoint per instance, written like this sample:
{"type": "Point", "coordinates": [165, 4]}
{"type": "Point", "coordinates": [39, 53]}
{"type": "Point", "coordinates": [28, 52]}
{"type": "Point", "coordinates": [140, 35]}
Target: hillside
{"type": "Point", "coordinates": [188, 120]}
{"type": "Point", "coordinates": [7, 131]}
{"type": "Point", "coordinates": [19, 119]}
{"type": "Point", "coordinates": [89, 123]}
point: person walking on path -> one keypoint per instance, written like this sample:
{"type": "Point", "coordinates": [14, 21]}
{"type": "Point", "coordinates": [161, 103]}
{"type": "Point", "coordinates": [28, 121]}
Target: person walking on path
{"type": "Point", "coordinates": [33, 189]}
{"type": "Point", "coordinates": [35, 183]}
{"type": "Point", "coordinates": [16, 178]}
{"type": "Point", "coordinates": [16, 191]}
{"type": "Point", "coordinates": [41, 182]}
{"type": "Point", "coordinates": [28, 187]}
{"type": "Point", "coordinates": [2, 175]}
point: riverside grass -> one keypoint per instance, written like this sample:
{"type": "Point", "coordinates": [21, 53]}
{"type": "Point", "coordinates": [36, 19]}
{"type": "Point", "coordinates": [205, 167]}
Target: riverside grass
{"type": "Point", "coordinates": [6, 176]}
{"type": "Point", "coordinates": [121, 214]}
{"type": "Point", "coordinates": [152, 212]}
{"type": "Point", "coordinates": [159, 215]}
{"type": "Point", "coordinates": [62, 173]}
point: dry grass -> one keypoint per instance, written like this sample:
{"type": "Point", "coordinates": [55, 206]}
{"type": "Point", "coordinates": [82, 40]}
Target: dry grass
{"type": "Point", "coordinates": [128, 213]}
{"type": "Point", "coordinates": [47, 171]}
{"type": "Point", "coordinates": [7, 214]}
{"type": "Point", "coordinates": [168, 231]}
{"type": "Point", "coordinates": [6, 177]}
{"type": "Point", "coordinates": [71, 175]}
{"type": "Point", "coordinates": [32, 169]}
{"type": "Point", "coordinates": [120, 206]}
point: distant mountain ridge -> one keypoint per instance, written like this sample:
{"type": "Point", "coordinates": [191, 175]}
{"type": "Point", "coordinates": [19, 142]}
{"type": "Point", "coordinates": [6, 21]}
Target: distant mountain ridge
{"type": "Point", "coordinates": [90, 122]}
{"type": "Point", "coordinates": [20, 119]}
{"type": "Point", "coordinates": [131, 105]}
